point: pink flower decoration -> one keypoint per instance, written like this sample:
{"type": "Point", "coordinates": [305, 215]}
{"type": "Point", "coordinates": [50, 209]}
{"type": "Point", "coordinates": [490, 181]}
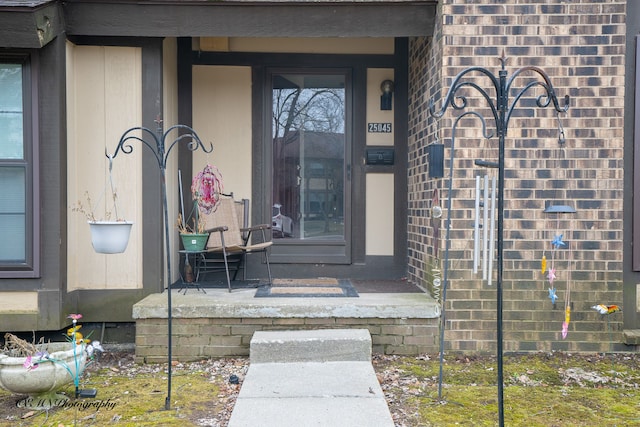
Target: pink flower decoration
{"type": "Point", "coordinates": [565, 329]}
{"type": "Point", "coordinates": [552, 275]}
{"type": "Point", "coordinates": [206, 188]}
{"type": "Point", "coordinates": [74, 316]}
{"type": "Point", "coordinates": [29, 365]}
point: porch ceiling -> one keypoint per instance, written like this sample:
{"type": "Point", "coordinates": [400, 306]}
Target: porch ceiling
{"type": "Point", "coordinates": [199, 18]}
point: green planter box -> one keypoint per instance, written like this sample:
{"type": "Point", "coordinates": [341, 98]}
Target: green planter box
{"type": "Point", "coordinates": [194, 242]}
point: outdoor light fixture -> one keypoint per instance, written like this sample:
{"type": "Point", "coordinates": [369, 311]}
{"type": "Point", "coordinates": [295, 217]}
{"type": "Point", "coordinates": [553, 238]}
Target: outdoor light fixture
{"type": "Point", "coordinates": [386, 99]}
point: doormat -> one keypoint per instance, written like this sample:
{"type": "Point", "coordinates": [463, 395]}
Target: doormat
{"type": "Point", "coordinates": [217, 284]}
{"type": "Point", "coordinates": [308, 288]}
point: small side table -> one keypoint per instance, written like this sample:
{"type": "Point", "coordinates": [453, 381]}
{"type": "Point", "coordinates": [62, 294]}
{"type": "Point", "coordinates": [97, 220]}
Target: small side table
{"type": "Point", "coordinates": [192, 260]}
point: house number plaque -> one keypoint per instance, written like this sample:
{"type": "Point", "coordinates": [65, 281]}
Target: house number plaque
{"type": "Point", "coordinates": [379, 127]}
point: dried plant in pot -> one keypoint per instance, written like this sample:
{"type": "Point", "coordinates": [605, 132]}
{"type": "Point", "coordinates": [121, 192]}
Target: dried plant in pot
{"type": "Point", "coordinates": [40, 371]}
{"type": "Point", "coordinates": [108, 236]}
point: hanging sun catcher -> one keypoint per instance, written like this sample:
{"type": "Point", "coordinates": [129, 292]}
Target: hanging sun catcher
{"type": "Point", "coordinates": [557, 269]}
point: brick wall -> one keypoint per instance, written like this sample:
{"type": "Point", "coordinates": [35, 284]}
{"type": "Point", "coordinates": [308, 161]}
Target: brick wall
{"type": "Point", "coordinates": [198, 338]}
{"type": "Point", "coordinates": [581, 46]}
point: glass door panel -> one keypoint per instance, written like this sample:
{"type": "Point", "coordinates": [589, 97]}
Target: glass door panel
{"type": "Point", "coordinates": [309, 167]}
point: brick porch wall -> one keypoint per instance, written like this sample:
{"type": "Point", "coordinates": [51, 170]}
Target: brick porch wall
{"type": "Point", "coordinates": [199, 338]}
{"type": "Point", "coordinates": [581, 46]}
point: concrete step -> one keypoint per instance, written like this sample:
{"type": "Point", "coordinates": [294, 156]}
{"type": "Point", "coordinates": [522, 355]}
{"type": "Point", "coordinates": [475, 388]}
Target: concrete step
{"type": "Point", "coordinates": [320, 378]}
{"type": "Point", "coordinates": [323, 345]}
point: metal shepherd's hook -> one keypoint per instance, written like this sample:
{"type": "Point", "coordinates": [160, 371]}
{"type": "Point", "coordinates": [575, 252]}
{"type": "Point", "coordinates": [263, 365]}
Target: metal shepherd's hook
{"type": "Point", "coordinates": [161, 152]}
{"type": "Point", "coordinates": [501, 111]}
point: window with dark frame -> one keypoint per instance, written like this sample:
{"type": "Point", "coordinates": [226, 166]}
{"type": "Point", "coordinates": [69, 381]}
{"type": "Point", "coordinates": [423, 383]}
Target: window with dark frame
{"type": "Point", "coordinates": [18, 254]}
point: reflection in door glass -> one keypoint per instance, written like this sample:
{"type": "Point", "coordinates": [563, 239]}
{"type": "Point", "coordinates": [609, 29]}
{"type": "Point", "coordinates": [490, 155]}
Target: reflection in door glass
{"type": "Point", "coordinates": [308, 156]}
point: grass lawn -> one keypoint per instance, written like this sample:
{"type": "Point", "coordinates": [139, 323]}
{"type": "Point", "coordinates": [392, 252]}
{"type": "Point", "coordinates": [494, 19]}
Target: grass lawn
{"type": "Point", "coordinates": [540, 390]}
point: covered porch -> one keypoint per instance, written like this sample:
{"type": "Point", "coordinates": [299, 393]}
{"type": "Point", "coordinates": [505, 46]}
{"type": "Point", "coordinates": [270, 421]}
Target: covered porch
{"type": "Point", "coordinates": [213, 322]}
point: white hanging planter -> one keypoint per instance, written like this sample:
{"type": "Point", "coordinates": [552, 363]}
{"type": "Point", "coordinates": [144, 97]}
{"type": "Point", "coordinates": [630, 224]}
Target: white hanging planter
{"type": "Point", "coordinates": [110, 237]}
{"type": "Point", "coordinates": [42, 384]}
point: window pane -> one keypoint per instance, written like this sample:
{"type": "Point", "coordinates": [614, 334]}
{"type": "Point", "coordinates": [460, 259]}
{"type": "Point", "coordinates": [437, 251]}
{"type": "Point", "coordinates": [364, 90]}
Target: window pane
{"type": "Point", "coordinates": [12, 214]}
{"type": "Point", "coordinates": [11, 112]}
{"type": "Point", "coordinates": [12, 229]}
{"type": "Point", "coordinates": [308, 156]}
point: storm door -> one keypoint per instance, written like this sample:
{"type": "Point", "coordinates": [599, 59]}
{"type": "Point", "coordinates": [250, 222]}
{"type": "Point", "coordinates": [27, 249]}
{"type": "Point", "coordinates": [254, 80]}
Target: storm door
{"type": "Point", "coordinates": [310, 139]}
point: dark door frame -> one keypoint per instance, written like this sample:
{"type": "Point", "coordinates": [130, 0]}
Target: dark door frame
{"type": "Point", "coordinates": [310, 251]}
{"type": "Point", "coordinates": [362, 265]}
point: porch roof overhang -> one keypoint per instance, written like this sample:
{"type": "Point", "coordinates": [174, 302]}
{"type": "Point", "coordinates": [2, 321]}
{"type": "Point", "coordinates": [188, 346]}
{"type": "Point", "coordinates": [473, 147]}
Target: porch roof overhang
{"type": "Point", "coordinates": [29, 24]}
{"type": "Point", "coordinates": [251, 18]}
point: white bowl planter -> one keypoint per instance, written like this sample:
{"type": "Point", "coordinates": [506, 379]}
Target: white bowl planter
{"type": "Point", "coordinates": [110, 237]}
{"type": "Point", "coordinates": [41, 384]}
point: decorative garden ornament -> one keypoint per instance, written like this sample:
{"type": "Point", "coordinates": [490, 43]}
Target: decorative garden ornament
{"type": "Point", "coordinates": [57, 365]}
{"type": "Point", "coordinates": [40, 371]}
{"type": "Point", "coordinates": [206, 188]}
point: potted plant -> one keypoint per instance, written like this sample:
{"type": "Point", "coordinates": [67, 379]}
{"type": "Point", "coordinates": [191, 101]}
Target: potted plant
{"type": "Point", "coordinates": [41, 370]}
{"type": "Point", "coordinates": [108, 236]}
{"type": "Point", "coordinates": [193, 237]}
{"type": "Point", "coordinates": [206, 188]}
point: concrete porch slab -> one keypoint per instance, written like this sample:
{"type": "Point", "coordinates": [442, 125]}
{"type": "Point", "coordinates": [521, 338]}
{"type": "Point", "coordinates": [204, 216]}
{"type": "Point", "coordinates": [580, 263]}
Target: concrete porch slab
{"type": "Point", "coordinates": [241, 304]}
{"type": "Point", "coordinates": [221, 323]}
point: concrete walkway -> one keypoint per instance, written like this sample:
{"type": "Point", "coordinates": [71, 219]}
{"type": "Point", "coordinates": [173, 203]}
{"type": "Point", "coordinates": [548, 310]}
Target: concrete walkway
{"type": "Point", "coordinates": [311, 378]}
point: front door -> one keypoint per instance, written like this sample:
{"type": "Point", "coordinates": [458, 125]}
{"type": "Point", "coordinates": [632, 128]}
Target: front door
{"type": "Point", "coordinates": [310, 137]}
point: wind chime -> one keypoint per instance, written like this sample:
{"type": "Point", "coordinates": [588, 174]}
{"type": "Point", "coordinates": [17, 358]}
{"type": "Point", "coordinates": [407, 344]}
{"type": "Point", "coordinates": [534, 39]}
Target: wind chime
{"type": "Point", "coordinates": [557, 265]}
{"type": "Point", "coordinates": [560, 249]}
{"type": "Point", "coordinates": [484, 223]}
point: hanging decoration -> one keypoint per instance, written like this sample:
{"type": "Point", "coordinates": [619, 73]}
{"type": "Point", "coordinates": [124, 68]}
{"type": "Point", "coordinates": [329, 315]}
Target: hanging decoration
{"type": "Point", "coordinates": [108, 235]}
{"type": "Point", "coordinates": [206, 188]}
{"type": "Point", "coordinates": [434, 278]}
{"type": "Point", "coordinates": [484, 224]}
{"type": "Point", "coordinates": [557, 243]}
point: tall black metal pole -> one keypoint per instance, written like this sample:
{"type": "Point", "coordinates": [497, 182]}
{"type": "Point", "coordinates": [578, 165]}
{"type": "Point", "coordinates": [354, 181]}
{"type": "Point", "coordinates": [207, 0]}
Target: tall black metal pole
{"type": "Point", "coordinates": [501, 113]}
{"type": "Point", "coordinates": [501, 128]}
{"type": "Point", "coordinates": [157, 146]}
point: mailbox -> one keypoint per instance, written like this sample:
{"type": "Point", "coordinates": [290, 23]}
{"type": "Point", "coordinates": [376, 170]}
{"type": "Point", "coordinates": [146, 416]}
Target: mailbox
{"type": "Point", "coordinates": [380, 156]}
